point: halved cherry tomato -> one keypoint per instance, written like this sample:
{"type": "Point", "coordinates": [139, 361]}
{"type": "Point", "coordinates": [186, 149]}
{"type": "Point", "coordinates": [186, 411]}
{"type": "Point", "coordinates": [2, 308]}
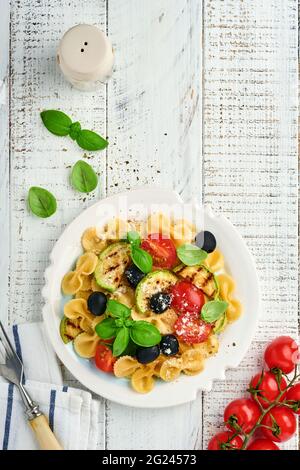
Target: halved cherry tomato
{"type": "Point", "coordinates": [187, 298]}
{"type": "Point", "coordinates": [262, 444]}
{"type": "Point", "coordinates": [267, 387]}
{"type": "Point", "coordinates": [243, 413]}
{"type": "Point", "coordinates": [293, 394]}
{"type": "Point", "coordinates": [191, 329]}
{"type": "Point", "coordinates": [282, 353]}
{"type": "Point", "coordinates": [104, 358]}
{"type": "Point", "coordinates": [225, 441]}
{"type": "Point", "coordinates": [161, 249]}
{"type": "Point", "coordinates": [282, 421]}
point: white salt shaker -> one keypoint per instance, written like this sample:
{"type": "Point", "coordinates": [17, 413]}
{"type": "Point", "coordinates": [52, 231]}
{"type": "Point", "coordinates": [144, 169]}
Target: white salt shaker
{"type": "Point", "coordinates": [85, 57]}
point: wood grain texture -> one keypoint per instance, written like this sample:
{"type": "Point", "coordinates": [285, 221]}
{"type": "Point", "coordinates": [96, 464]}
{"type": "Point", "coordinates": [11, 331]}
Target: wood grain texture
{"type": "Point", "coordinates": [151, 112]}
{"type": "Point", "coordinates": [250, 160]}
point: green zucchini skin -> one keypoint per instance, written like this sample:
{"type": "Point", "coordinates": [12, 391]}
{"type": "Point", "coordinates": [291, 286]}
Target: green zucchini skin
{"type": "Point", "coordinates": [111, 265]}
{"type": "Point", "coordinates": [156, 281]}
{"type": "Point", "coordinates": [201, 277]}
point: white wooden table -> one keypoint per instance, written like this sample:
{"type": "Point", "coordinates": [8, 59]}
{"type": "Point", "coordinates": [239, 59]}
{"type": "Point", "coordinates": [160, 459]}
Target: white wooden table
{"type": "Point", "coordinates": [231, 64]}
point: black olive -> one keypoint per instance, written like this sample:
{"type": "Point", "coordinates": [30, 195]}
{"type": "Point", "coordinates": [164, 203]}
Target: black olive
{"type": "Point", "coordinates": [97, 303]}
{"type": "Point", "coordinates": [146, 355]}
{"type": "Point", "coordinates": [134, 275]}
{"type": "Point", "coordinates": [206, 240]}
{"type": "Point", "coordinates": [160, 302]}
{"type": "Point", "coordinates": [169, 345]}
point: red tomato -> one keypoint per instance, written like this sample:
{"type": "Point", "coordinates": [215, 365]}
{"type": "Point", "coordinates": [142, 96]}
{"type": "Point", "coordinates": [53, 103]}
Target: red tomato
{"type": "Point", "coordinates": [283, 423]}
{"type": "Point", "coordinates": [282, 353]}
{"type": "Point", "coordinates": [104, 358]}
{"type": "Point", "coordinates": [262, 444]}
{"type": "Point", "coordinates": [187, 298]}
{"type": "Point", "coordinates": [191, 329]}
{"type": "Point", "coordinates": [294, 395]}
{"type": "Point", "coordinates": [268, 387]}
{"type": "Point", "coordinates": [161, 249]}
{"type": "Point", "coordinates": [244, 412]}
{"type": "Point", "coordinates": [225, 441]}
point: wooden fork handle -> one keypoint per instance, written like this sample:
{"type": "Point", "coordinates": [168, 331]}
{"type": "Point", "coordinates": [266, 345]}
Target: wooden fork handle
{"type": "Point", "coordinates": [43, 434]}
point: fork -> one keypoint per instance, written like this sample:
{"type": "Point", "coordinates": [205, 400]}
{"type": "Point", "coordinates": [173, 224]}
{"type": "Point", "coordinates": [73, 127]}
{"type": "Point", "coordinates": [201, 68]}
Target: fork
{"type": "Point", "coordinates": [13, 371]}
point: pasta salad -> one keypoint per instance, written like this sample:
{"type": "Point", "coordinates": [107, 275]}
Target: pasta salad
{"type": "Point", "coordinates": [149, 299]}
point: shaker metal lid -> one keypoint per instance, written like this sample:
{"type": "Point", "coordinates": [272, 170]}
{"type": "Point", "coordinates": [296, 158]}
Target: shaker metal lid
{"type": "Point", "coordinates": [85, 53]}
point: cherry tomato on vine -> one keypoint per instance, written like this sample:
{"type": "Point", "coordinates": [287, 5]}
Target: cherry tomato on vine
{"type": "Point", "coordinates": [242, 412]}
{"type": "Point", "coordinates": [104, 358]}
{"type": "Point", "coordinates": [225, 440]}
{"type": "Point", "coordinates": [187, 298]}
{"type": "Point", "coordinates": [282, 353]}
{"type": "Point", "coordinates": [293, 394]}
{"type": "Point", "coordinates": [161, 249]}
{"type": "Point", "coordinates": [262, 444]}
{"type": "Point", "coordinates": [191, 329]}
{"type": "Point", "coordinates": [267, 388]}
{"type": "Point", "coordinates": [283, 423]}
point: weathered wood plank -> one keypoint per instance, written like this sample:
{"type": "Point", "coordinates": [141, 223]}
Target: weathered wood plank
{"type": "Point", "coordinates": [39, 158]}
{"type": "Point", "coordinates": [154, 125]}
{"type": "Point", "coordinates": [4, 157]}
{"type": "Point", "coordinates": [250, 160]}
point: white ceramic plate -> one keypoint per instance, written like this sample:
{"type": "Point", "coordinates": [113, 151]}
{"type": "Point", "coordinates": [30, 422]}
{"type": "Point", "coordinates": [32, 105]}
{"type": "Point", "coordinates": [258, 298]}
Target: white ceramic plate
{"type": "Point", "coordinates": [234, 342]}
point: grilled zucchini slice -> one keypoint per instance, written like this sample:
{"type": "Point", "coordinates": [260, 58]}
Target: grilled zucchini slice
{"type": "Point", "coordinates": [111, 265]}
{"type": "Point", "coordinates": [154, 282]}
{"type": "Point", "coordinates": [201, 277]}
{"type": "Point", "coordinates": [69, 330]}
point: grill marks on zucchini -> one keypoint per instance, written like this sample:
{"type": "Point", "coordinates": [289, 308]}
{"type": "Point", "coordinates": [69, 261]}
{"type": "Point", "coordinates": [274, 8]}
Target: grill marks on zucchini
{"type": "Point", "coordinates": [111, 265]}
{"type": "Point", "coordinates": [69, 329]}
{"type": "Point", "coordinates": [201, 277]}
{"type": "Point", "coordinates": [154, 282]}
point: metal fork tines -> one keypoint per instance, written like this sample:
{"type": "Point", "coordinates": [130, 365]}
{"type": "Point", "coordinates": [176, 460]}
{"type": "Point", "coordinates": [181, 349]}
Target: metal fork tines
{"type": "Point", "coordinates": [11, 368]}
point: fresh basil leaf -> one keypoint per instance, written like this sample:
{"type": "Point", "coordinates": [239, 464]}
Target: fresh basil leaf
{"type": "Point", "coordinates": [117, 310]}
{"type": "Point", "coordinates": [74, 130]}
{"type": "Point", "coordinates": [142, 259]}
{"type": "Point", "coordinates": [144, 334]}
{"type": "Point", "coordinates": [83, 177]}
{"type": "Point", "coordinates": [134, 238]}
{"type": "Point", "coordinates": [56, 122]}
{"type": "Point", "coordinates": [191, 255]}
{"type": "Point", "coordinates": [106, 329]}
{"type": "Point", "coordinates": [41, 202]}
{"type": "Point", "coordinates": [213, 310]}
{"type": "Point", "coordinates": [89, 140]}
{"type": "Point", "coordinates": [121, 341]}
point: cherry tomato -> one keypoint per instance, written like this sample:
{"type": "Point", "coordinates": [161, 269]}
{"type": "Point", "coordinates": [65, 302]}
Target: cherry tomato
{"type": "Point", "coordinates": [104, 358]}
{"type": "Point", "coordinates": [283, 423]}
{"type": "Point", "coordinates": [187, 298]}
{"type": "Point", "coordinates": [244, 412]}
{"type": "Point", "coordinates": [282, 353]}
{"type": "Point", "coordinates": [161, 249]}
{"type": "Point", "coordinates": [268, 387]}
{"type": "Point", "coordinates": [225, 441]}
{"type": "Point", "coordinates": [262, 444]}
{"type": "Point", "coordinates": [294, 395]}
{"type": "Point", "coordinates": [191, 329]}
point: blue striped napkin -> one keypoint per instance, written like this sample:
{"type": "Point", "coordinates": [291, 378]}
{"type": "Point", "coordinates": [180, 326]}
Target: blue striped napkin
{"type": "Point", "coordinates": [73, 415]}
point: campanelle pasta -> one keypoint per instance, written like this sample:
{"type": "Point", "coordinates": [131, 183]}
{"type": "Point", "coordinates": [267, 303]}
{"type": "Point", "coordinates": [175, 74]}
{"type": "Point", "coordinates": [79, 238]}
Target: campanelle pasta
{"type": "Point", "coordinates": [142, 321]}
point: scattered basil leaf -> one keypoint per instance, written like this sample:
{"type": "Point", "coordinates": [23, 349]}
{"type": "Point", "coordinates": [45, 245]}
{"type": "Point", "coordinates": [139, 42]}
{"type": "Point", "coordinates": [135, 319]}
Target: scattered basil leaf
{"type": "Point", "coordinates": [89, 140]}
{"type": "Point", "coordinates": [121, 341]}
{"type": "Point", "coordinates": [142, 259]}
{"type": "Point", "coordinates": [41, 202]}
{"type": "Point", "coordinates": [213, 310]}
{"type": "Point", "coordinates": [134, 238]}
{"type": "Point", "coordinates": [144, 334]}
{"type": "Point", "coordinates": [117, 310]}
{"type": "Point", "coordinates": [191, 255]}
{"type": "Point", "coordinates": [56, 122]}
{"type": "Point", "coordinates": [106, 329]}
{"type": "Point", "coordinates": [83, 177]}
{"type": "Point", "coordinates": [75, 128]}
